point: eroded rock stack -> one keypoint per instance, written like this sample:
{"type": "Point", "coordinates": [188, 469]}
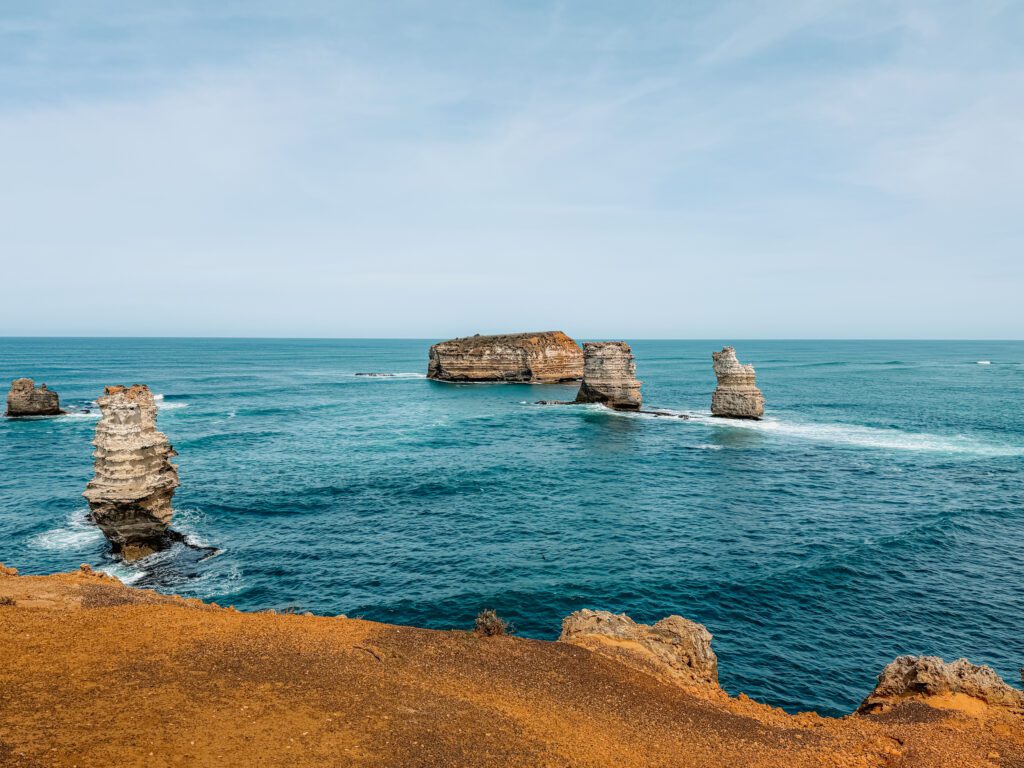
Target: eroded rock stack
{"type": "Point", "coordinates": [26, 399]}
{"type": "Point", "coordinates": [609, 376]}
{"type": "Point", "coordinates": [675, 648]}
{"type": "Point", "coordinates": [130, 495]}
{"type": "Point", "coordinates": [736, 396]}
{"type": "Point", "coordinates": [921, 677]}
{"type": "Point", "coordinates": [547, 357]}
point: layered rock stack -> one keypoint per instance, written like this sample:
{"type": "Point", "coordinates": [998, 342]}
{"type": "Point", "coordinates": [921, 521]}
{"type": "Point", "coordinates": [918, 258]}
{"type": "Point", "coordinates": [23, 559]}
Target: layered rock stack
{"type": "Point", "coordinates": [130, 495]}
{"type": "Point", "coordinates": [609, 376]}
{"type": "Point", "coordinates": [675, 648]}
{"type": "Point", "coordinates": [531, 358]}
{"type": "Point", "coordinates": [26, 399]}
{"type": "Point", "coordinates": [736, 396]}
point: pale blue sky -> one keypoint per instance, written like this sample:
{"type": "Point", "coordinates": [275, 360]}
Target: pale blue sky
{"type": "Point", "coordinates": [425, 169]}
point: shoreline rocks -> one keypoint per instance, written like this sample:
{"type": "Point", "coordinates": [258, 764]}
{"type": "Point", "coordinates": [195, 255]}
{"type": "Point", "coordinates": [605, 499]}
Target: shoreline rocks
{"type": "Point", "coordinates": [736, 396]}
{"type": "Point", "coordinates": [548, 357]}
{"type": "Point", "coordinates": [609, 376]}
{"type": "Point", "coordinates": [910, 677]}
{"type": "Point", "coordinates": [674, 648]}
{"type": "Point", "coordinates": [26, 399]}
{"type": "Point", "coordinates": [130, 495]}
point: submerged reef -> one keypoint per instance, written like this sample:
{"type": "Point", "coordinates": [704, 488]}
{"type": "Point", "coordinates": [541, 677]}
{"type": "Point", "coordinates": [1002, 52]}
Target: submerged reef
{"type": "Point", "coordinates": [736, 396]}
{"type": "Point", "coordinates": [531, 358]}
{"type": "Point", "coordinates": [609, 376]}
{"type": "Point", "coordinates": [130, 495]}
{"type": "Point", "coordinates": [26, 399]}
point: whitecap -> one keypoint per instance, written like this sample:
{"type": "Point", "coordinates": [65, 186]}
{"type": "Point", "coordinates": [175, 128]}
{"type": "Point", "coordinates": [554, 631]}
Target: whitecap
{"type": "Point", "coordinates": [78, 533]}
{"type": "Point", "coordinates": [387, 375]}
{"type": "Point", "coordinates": [984, 362]}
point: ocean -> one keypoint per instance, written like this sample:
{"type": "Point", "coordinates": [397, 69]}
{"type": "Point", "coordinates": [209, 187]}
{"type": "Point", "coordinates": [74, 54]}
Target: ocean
{"type": "Point", "coordinates": [877, 510]}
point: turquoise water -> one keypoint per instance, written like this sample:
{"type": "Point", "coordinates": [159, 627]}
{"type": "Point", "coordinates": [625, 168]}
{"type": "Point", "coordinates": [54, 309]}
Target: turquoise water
{"type": "Point", "coordinates": [878, 510]}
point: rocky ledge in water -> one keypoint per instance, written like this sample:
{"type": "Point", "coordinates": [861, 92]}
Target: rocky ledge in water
{"type": "Point", "coordinates": [549, 357]}
{"type": "Point", "coordinates": [736, 396]}
{"type": "Point", "coordinates": [26, 399]}
{"type": "Point", "coordinates": [921, 677]}
{"type": "Point", "coordinates": [675, 648]}
{"type": "Point", "coordinates": [130, 495]}
{"type": "Point", "coordinates": [609, 376]}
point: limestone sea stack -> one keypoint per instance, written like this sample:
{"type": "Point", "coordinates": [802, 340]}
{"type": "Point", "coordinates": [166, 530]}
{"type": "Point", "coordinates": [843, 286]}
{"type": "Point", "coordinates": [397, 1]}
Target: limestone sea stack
{"type": "Point", "coordinates": [609, 376]}
{"type": "Point", "coordinates": [736, 396]}
{"type": "Point", "coordinates": [130, 495]}
{"type": "Point", "coordinates": [675, 649]}
{"type": "Point", "coordinates": [26, 399]}
{"type": "Point", "coordinates": [548, 357]}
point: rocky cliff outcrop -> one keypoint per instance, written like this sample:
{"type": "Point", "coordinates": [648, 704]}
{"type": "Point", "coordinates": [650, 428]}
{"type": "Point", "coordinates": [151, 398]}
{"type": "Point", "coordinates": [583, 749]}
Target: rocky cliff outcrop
{"type": "Point", "coordinates": [736, 396]}
{"type": "Point", "coordinates": [541, 358]}
{"type": "Point", "coordinates": [675, 648]}
{"type": "Point", "coordinates": [921, 677]}
{"type": "Point", "coordinates": [609, 376]}
{"type": "Point", "coordinates": [130, 495]}
{"type": "Point", "coordinates": [26, 399]}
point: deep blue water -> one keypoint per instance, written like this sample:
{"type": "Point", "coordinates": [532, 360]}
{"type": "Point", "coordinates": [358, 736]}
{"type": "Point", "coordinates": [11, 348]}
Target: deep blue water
{"type": "Point", "coordinates": [878, 510]}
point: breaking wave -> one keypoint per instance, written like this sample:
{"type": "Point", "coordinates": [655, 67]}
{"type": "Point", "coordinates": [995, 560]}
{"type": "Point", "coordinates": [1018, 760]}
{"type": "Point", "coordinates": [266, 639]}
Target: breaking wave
{"type": "Point", "coordinates": [78, 533]}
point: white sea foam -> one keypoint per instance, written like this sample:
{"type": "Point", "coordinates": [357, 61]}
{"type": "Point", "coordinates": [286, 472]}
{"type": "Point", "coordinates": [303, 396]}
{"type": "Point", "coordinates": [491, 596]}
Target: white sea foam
{"type": "Point", "coordinates": [865, 437]}
{"type": "Point", "coordinates": [77, 533]}
{"type": "Point", "coordinates": [386, 375]}
{"type": "Point", "coordinates": [984, 362]}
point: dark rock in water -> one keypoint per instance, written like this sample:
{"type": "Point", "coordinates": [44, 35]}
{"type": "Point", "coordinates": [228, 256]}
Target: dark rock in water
{"type": "Point", "coordinates": [609, 376]}
{"type": "Point", "coordinates": [26, 399]}
{"type": "Point", "coordinates": [130, 495]}
{"type": "Point", "coordinates": [379, 375]}
{"type": "Point", "coordinates": [917, 677]}
{"type": "Point", "coordinates": [549, 357]}
{"type": "Point", "coordinates": [736, 396]}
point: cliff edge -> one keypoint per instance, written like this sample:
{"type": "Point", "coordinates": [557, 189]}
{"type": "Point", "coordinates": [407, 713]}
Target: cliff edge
{"type": "Point", "coordinates": [96, 673]}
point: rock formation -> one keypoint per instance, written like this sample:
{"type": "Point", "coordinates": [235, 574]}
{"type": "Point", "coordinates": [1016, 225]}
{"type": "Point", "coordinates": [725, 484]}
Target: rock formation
{"type": "Point", "coordinates": [130, 496]}
{"type": "Point", "coordinates": [920, 677]}
{"type": "Point", "coordinates": [609, 376]}
{"type": "Point", "coordinates": [26, 399]}
{"type": "Point", "coordinates": [736, 396]}
{"type": "Point", "coordinates": [675, 648]}
{"type": "Point", "coordinates": [533, 358]}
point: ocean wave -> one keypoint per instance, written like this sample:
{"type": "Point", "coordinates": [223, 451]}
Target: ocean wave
{"type": "Point", "coordinates": [385, 375]}
{"type": "Point", "coordinates": [864, 437]}
{"type": "Point", "coordinates": [77, 533]}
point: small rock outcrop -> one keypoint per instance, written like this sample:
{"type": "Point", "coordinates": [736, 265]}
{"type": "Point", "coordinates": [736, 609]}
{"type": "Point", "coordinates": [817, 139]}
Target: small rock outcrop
{"type": "Point", "coordinates": [609, 376]}
{"type": "Point", "coordinates": [130, 495]}
{"type": "Point", "coordinates": [918, 677]}
{"type": "Point", "coordinates": [549, 357]}
{"type": "Point", "coordinates": [675, 648]}
{"type": "Point", "coordinates": [26, 399]}
{"type": "Point", "coordinates": [736, 396]}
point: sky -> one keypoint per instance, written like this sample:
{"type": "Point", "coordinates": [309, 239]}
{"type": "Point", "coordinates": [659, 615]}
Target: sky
{"type": "Point", "coordinates": [429, 169]}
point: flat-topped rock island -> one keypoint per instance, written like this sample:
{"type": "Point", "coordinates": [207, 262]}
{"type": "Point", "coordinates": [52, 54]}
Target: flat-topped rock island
{"type": "Point", "coordinates": [547, 357]}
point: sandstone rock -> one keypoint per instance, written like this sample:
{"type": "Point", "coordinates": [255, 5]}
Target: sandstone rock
{"type": "Point", "coordinates": [736, 396]}
{"type": "Point", "coordinates": [609, 376]}
{"type": "Point", "coordinates": [675, 648]}
{"type": "Point", "coordinates": [911, 677]}
{"type": "Point", "coordinates": [130, 495]}
{"type": "Point", "coordinates": [548, 357]}
{"type": "Point", "coordinates": [26, 399]}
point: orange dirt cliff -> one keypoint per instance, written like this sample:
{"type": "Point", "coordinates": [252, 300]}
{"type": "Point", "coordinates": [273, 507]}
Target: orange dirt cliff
{"type": "Point", "coordinates": [95, 673]}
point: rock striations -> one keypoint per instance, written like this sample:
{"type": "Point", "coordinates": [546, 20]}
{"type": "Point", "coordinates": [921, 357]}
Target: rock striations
{"type": "Point", "coordinates": [26, 399]}
{"type": "Point", "coordinates": [736, 396]}
{"type": "Point", "coordinates": [541, 358]}
{"type": "Point", "coordinates": [921, 677]}
{"type": "Point", "coordinates": [130, 496]}
{"type": "Point", "coordinates": [609, 376]}
{"type": "Point", "coordinates": [675, 648]}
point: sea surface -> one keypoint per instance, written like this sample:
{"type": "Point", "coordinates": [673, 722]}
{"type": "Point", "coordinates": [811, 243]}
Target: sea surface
{"type": "Point", "coordinates": [877, 510]}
